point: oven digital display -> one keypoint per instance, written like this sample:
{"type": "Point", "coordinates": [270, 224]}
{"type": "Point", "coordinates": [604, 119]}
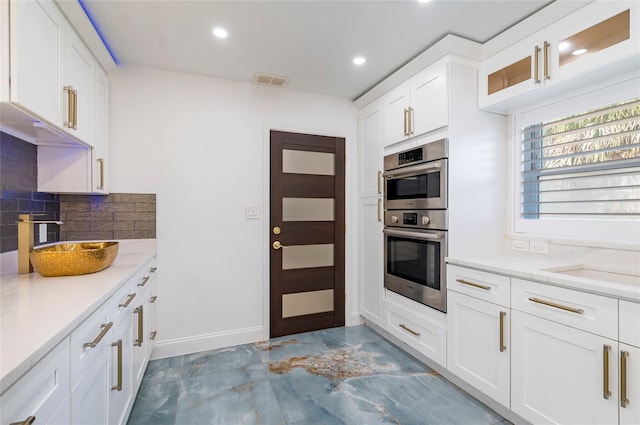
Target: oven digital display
{"type": "Point", "coordinates": [410, 218]}
{"type": "Point", "coordinates": [410, 156]}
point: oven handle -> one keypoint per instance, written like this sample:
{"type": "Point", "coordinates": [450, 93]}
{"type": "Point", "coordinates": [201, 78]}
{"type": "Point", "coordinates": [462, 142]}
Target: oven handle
{"type": "Point", "coordinates": [413, 170]}
{"type": "Point", "coordinates": [414, 235]}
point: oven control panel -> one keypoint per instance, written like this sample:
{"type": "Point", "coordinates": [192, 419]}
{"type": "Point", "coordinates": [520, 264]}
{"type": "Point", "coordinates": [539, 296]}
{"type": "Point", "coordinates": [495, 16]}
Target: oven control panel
{"type": "Point", "coordinates": [421, 219]}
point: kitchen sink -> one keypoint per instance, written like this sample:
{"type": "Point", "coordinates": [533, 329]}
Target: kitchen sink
{"type": "Point", "coordinates": [71, 259]}
{"type": "Point", "coordinates": [590, 272]}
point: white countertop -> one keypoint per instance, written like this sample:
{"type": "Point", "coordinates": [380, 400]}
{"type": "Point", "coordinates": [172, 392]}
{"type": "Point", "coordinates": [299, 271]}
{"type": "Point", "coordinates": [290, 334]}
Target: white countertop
{"type": "Point", "coordinates": [36, 312]}
{"type": "Point", "coordinates": [534, 267]}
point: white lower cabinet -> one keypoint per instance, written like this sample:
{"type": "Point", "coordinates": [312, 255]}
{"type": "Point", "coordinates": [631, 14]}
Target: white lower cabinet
{"type": "Point", "coordinates": [92, 375]}
{"type": "Point", "coordinates": [420, 327]}
{"type": "Point", "coordinates": [121, 373]}
{"type": "Point", "coordinates": [478, 344]}
{"type": "Point", "coordinates": [371, 260]}
{"type": "Point", "coordinates": [629, 363]}
{"type": "Point", "coordinates": [562, 375]}
{"type": "Point", "coordinates": [42, 393]}
{"type": "Point", "coordinates": [629, 385]}
{"type": "Point", "coordinates": [90, 396]}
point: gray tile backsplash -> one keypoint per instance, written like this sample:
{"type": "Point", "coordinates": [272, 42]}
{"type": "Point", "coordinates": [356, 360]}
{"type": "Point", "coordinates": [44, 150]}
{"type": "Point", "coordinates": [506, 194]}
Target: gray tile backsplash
{"type": "Point", "coordinates": [114, 216]}
{"type": "Point", "coordinates": [19, 192]}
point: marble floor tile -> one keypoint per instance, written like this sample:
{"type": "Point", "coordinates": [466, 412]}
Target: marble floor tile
{"type": "Point", "coordinates": [290, 346]}
{"type": "Point", "coordinates": [156, 404]}
{"type": "Point", "coordinates": [341, 376]}
{"type": "Point", "coordinates": [222, 359]}
{"type": "Point", "coordinates": [344, 337]}
{"type": "Point", "coordinates": [163, 370]}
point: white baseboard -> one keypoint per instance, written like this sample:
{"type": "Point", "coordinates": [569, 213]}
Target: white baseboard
{"type": "Point", "coordinates": [354, 319]}
{"type": "Point", "coordinates": [212, 341]}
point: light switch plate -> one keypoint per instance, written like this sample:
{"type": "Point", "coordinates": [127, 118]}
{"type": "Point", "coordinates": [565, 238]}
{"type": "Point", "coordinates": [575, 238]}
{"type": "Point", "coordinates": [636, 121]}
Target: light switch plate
{"type": "Point", "coordinates": [43, 232]}
{"type": "Point", "coordinates": [252, 212]}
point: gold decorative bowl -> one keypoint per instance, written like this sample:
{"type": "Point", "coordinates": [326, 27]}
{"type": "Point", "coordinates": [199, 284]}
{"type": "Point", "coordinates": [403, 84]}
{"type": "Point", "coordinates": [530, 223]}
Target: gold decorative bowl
{"type": "Point", "coordinates": [71, 259]}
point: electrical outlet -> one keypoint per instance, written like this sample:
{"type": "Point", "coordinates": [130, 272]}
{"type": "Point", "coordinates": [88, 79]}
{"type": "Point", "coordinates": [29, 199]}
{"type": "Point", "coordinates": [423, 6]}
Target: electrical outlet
{"type": "Point", "coordinates": [517, 245]}
{"type": "Point", "coordinates": [539, 247]}
{"type": "Point", "coordinates": [43, 232]}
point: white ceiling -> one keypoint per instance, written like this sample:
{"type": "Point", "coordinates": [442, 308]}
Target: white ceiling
{"type": "Point", "coordinates": [311, 42]}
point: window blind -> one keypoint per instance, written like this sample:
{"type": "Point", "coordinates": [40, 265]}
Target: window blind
{"type": "Point", "coordinates": [585, 166]}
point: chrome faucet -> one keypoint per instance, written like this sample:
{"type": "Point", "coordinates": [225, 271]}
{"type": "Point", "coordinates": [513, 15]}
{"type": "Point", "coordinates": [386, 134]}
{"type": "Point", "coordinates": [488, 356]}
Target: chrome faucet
{"type": "Point", "coordinates": [25, 240]}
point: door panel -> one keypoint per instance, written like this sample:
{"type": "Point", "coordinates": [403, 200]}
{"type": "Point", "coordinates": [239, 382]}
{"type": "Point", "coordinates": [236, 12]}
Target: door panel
{"type": "Point", "coordinates": [307, 237]}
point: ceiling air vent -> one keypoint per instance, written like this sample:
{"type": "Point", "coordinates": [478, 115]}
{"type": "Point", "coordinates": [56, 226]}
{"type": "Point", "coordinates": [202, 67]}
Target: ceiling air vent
{"type": "Point", "coordinates": [270, 80]}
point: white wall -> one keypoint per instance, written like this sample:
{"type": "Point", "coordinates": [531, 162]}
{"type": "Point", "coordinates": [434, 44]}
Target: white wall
{"type": "Point", "coordinates": [201, 144]}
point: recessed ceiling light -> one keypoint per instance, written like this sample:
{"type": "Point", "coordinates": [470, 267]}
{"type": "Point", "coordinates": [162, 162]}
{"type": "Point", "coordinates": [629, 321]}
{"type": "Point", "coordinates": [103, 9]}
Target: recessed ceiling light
{"type": "Point", "coordinates": [359, 60]}
{"type": "Point", "coordinates": [220, 32]}
{"type": "Point", "coordinates": [424, 1]}
{"type": "Point", "coordinates": [579, 52]}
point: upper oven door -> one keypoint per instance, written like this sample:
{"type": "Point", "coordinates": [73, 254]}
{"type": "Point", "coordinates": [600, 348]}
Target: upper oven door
{"type": "Point", "coordinates": [422, 186]}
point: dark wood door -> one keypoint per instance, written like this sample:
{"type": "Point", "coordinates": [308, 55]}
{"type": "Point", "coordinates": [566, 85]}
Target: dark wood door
{"type": "Point", "coordinates": [307, 232]}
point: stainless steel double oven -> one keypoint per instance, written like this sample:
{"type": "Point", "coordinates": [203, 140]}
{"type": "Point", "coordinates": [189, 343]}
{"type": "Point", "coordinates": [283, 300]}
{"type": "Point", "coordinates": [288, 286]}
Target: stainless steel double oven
{"type": "Point", "coordinates": [416, 223]}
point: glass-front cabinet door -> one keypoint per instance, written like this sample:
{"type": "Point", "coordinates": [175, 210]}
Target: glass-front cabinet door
{"type": "Point", "coordinates": [597, 35]}
{"type": "Point", "coordinates": [596, 42]}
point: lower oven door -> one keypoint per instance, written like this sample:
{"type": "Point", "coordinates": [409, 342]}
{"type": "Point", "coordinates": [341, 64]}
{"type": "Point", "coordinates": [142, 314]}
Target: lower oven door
{"type": "Point", "coordinates": [414, 265]}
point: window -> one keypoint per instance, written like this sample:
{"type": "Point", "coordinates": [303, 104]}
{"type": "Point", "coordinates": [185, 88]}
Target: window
{"type": "Point", "coordinates": [579, 172]}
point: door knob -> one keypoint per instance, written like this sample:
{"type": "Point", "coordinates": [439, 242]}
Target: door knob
{"type": "Point", "coordinates": [277, 245]}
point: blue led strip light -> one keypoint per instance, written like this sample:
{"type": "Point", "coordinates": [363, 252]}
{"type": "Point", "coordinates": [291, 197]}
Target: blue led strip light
{"type": "Point", "coordinates": [95, 26]}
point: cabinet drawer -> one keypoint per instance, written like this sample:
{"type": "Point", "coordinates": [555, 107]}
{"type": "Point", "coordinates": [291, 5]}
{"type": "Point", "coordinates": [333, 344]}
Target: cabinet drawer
{"type": "Point", "coordinates": [92, 330]}
{"type": "Point", "coordinates": [425, 335]}
{"type": "Point", "coordinates": [630, 323]}
{"type": "Point", "coordinates": [41, 392]}
{"type": "Point", "coordinates": [581, 310]}
{"type": "Point", "coordinates": [475, 283]}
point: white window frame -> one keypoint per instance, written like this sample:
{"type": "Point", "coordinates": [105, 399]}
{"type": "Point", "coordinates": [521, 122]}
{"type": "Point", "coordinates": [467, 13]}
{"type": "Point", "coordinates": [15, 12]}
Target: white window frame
{"type": "Point", "coordinates": [595, 232]}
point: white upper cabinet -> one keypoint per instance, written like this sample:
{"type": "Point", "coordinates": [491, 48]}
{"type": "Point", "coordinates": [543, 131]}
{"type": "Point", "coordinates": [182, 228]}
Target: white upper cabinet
{"type": "Point", "coordinates": [370, 131]}
{"type": "Point", "coordinates": [599, 41]}
{"type": "Point", "coordinates": [100, 121]}
{"type": "Point", "coordinates": [37, 46]}
{"type": "Point", "coordinates": [417, 106]}
{"type": "Point", "coordinates": [51, 73]}
{"type": "Point", "coordinates": [80, 67]}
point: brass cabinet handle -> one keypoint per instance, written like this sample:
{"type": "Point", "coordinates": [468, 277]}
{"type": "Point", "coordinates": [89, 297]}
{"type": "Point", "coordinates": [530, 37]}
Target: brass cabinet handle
{"type": "Point", "coordinates": [153, 299]}
{"type": "Point", "coordinates": [410, 115]}
{"type": "Point", "coordinates": [139, 311]}
{"type": "Point", "coordinates": [406, 328]}
{"type": "Point", "coordinates": [153, 269]}
{"type": "Point", "coordinates": [153, 335]}
{"type": "Point", "coordinates": [536, 64]}
{"type": "Point", "coordinates": [379, 182]}
{"type": "Point", "coordinates": [144, 281]}
{"type": "Point", "coordinates": [624, 399]}
{"type": "Point", "coordinates": [379, 209]}
{"type": "Point", "coordinates": [546, 60]}
{"type": "Point", "coordinates": [503, 347]}
{"type": "Point", "coordinates": [101, 165]}
{"type": "Point", "coordinates": [75, 109]}
{"type": "Point", "coordinates": [128, 301]}
{"type": "Point", "coordinates": [118, 387]}
{"type": "Point", "coordinates": [28, 421]}
{"type": "Point", "coordinates": [560, 306]}
{"type": "Point", "coordinates": [404, 121]}
{"type": "Point", "coordinates": [98, 338]}
{"type": "Point", "coordinates": [69, 122]}
{"type": "Point", "coordinates": [605, 370]}
{"type": "Point", "coordinates": [475, 285]}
